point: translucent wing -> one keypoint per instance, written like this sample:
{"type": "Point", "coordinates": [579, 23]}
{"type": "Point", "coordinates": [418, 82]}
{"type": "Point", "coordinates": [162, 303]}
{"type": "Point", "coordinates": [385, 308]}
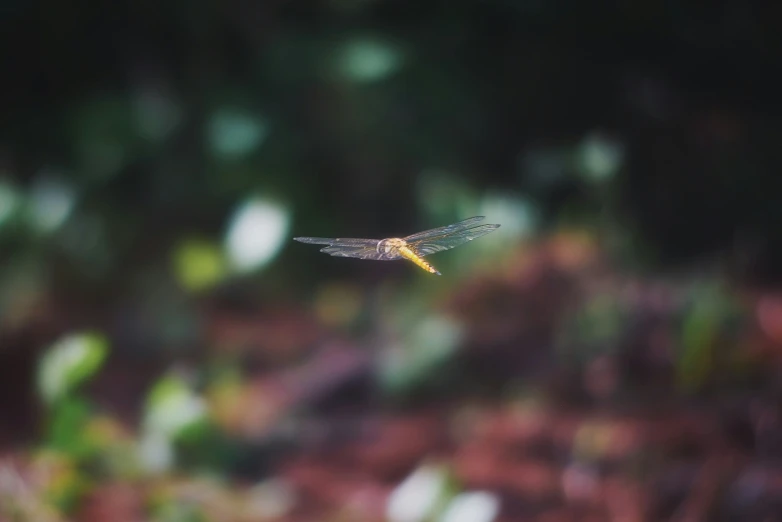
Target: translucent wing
{"type": "Point", "coordinates": [349, 241]}
{"type": "Point", "coordinates": [446, 230]}
{"type": "Point", "coordinates": [349, 247]}
{"type": "Point", "coordinates": [430, 245]}
{"type": "Point", "coordinates": [358, 252]}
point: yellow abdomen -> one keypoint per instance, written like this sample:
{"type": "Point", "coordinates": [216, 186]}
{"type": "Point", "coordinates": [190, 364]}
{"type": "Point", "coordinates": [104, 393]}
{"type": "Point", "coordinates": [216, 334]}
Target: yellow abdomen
{"type": "Point", "coordinates": [408, 253]}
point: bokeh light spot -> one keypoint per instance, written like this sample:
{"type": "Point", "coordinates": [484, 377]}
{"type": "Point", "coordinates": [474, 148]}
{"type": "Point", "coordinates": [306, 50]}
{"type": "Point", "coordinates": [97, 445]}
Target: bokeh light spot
{"type": "Point", "coordinates": [198, 264]}
{"type": "Point", "coordinates": [599, 157]}
{"type": "Point", "coordinates": [430, 343]}
{"type": "Point", "coordinates": [518, 216]}
{"type": "Point", "coordinates": [472, 506]}
{"type": "Point", "coordinates": [256, 233]}
{"type": "Point", "coordinates": [367, 60]}
{"type": "Point", "coordinates": [416, 497]}
{"type": "Point", "coordinates": [234, 134]}
{"type": "Point", "coordinates": [51, 201]}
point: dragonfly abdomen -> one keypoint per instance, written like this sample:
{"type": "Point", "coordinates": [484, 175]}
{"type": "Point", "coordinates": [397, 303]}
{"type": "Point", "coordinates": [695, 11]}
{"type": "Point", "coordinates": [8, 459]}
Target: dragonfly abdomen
{"type": "Point", "coordinates": [410, 254]}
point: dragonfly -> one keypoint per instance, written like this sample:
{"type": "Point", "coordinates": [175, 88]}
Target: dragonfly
{"type": "Point", "coordinates": [413, 248]}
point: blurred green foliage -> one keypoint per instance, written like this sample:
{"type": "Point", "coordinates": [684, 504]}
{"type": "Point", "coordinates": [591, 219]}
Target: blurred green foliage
{"type": "Point", "coordinates": [710, 347]}
{"type": "Point", "coordinates": [367, 118]}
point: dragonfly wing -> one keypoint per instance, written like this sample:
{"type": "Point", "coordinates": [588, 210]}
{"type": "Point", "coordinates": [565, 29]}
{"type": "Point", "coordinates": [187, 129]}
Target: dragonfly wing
{"type": "Point", "coordinates": [446, 230]}
{"type": "Point", "coordinates": [358, 253]}
{"type": "Point", "coordinates": [349, 247]}
{"type": "Point", "coordinates": [347, 241]}
{"type": "Point", "coordinates": [424, 247]}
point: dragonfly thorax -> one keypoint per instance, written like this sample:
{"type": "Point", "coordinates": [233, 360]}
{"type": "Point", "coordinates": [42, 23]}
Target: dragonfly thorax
{"type": "Point", "coordinates": [390, 245]}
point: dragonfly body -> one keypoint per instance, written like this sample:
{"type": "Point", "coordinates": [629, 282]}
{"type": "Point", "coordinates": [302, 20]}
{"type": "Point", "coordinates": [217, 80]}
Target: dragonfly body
{"type": "Point", "coordinates": [398, 247]}
{"type": "Point", "coordinates": [412, 248]}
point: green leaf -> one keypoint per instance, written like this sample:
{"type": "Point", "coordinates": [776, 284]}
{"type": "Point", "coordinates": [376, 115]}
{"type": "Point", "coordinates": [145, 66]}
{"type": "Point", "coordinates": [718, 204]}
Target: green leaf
{"type": "Point", "coordinates": [66, 427]}
{"type": "Point", "coordinates": [173, 408]}
{"type": "Point", "coordinates": [70, 361]}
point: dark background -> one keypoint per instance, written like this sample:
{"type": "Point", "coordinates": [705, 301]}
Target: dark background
{"type": "Point", "coordinates": [689, 89]}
